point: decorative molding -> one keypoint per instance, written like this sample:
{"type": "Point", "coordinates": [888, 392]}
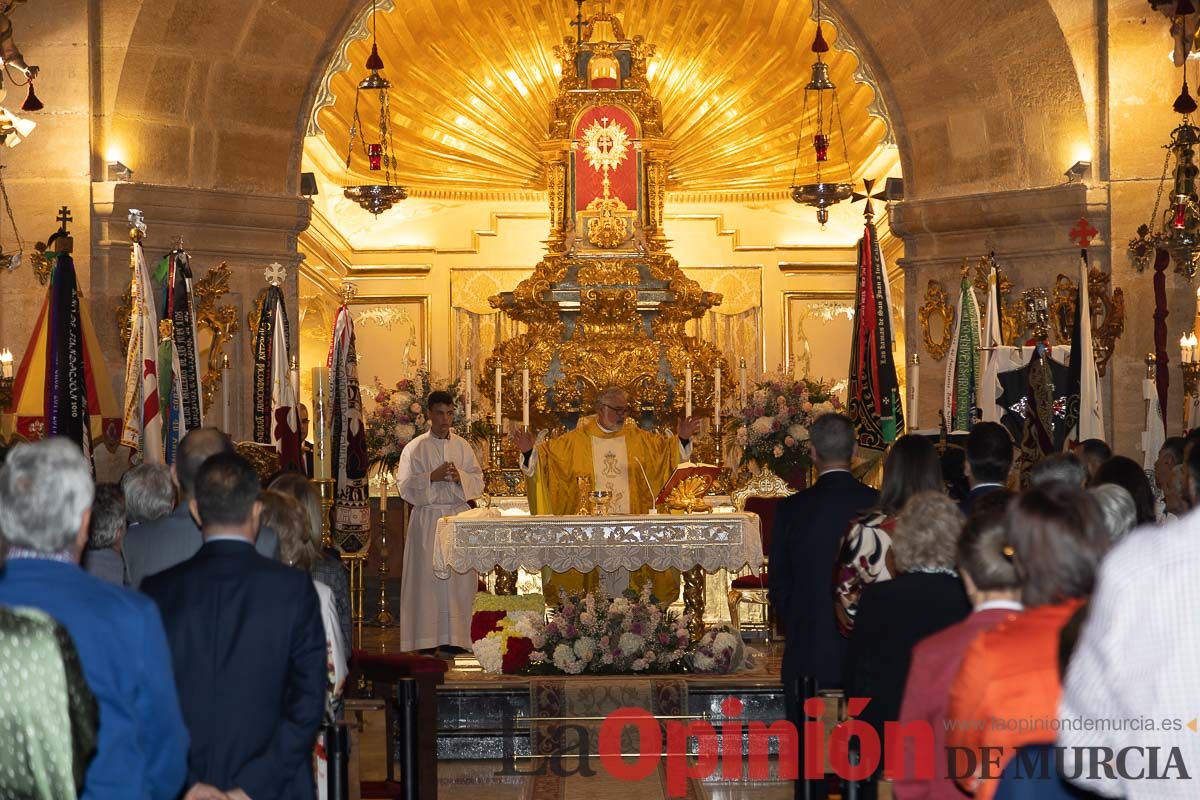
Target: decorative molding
{"type": "Point", "coordinates": [338, 62]}
{"type": "Point", "coordinates": [426, 324]}
{"type": "Point", "coordinates": [838, 298]}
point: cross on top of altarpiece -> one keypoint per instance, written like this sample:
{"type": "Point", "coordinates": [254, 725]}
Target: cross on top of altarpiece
{"type": "Point", "coordinates": [1083, 233]}
{"type": "Point", "coordinates": [64, 216]}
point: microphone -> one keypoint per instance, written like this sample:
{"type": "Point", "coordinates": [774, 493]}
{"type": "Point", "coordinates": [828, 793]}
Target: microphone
{"type": "Point", "coordinates": [653, 494]}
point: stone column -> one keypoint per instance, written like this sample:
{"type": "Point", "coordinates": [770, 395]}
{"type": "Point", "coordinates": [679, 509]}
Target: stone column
{"type": "Point", "coordinates": [1029, 232]}
{"type": "Point", "coordinates": [248, 231]}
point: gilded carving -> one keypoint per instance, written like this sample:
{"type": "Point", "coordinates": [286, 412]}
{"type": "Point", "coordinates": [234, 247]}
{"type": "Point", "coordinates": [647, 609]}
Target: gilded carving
{"type": "Point", "coordinates": [220, 320]}
{"type": "Point", "coordinates": [125, 316]}
{"type": "Point", "coordinates": [936, 311]}
{"type": "Point", "coordinates": [1107, 314]}
{"type": "Point", "coordinates": [608, 273]}
{"type": "Point", "coordinates": [608, 230]}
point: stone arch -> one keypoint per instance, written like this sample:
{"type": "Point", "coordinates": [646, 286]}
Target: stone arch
{"type": "Point", "coordinates": [216, 95]}
{"type": "Point", "coordinates": [952, 136]}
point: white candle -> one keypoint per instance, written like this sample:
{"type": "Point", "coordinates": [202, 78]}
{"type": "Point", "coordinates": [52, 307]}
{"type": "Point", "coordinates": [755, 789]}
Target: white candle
{"type": "Point", "coordinates": [467, 388]}
{"type": "Point", "coordinates": [525, 398]}
{"type": "Point", "coordinates": [320, 413]}
{"type": "Point", "coordinates": [1183, 349]}
{"type": "Point", "coordinates": [6, 359]}
{"type": "Point", "coordinates": [717, 400]}
{"type": "Point", "coordinates": [226, 377]}
{"type": "Point", "coordinates": [499, 397]}
{"type": "Point", "coordinates": [742, 382]}
{"type": "Point", "coordinates": [687, 391]}
{"type": "Point", "coordinates": [294, 370]}
{"type": "Point", "coordinates": [383, 484]}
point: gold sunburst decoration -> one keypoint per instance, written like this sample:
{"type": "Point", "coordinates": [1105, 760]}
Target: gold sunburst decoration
{"type": "Point", "coordinates": [473, 98]}
{"type": "Point", "coordinates": [605, 144]}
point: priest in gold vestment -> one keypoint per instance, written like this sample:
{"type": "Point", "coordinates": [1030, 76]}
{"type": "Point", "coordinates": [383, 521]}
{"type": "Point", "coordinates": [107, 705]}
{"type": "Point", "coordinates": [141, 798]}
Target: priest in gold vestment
{"type": "Point", "coordinates": [619, 457]}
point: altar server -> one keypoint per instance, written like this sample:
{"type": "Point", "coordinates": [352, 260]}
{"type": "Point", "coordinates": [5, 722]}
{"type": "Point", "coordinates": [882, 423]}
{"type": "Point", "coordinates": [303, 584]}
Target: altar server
{"type": "Point", "coordinates": [438, 474]}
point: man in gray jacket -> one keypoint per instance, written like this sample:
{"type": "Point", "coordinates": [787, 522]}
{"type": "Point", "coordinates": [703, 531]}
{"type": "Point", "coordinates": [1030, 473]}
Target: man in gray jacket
{"type": "Point", "coordinates": [162, 543]}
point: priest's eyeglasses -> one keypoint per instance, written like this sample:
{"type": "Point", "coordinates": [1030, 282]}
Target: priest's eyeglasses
{"type": "Point", "coordinates": [618, 409]}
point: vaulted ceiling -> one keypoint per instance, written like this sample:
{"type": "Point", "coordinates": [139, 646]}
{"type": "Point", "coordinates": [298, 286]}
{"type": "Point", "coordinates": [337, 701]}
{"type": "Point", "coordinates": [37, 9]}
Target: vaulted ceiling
{"type": "Point", "coordinates": [473, 85]}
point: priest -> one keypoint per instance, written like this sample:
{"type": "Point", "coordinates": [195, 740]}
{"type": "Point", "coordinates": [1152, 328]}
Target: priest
{"type": "Point", "coordinates": [619, 457]}
{"type": "Point", "coordinates": [438, 474]}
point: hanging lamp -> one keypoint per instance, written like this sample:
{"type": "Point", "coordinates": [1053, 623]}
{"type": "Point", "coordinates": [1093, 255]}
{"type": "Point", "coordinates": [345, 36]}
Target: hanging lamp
{"type": "Point", "coordinates": [379, 196]}
{"type": "Point", "coordinates": [822, 93]}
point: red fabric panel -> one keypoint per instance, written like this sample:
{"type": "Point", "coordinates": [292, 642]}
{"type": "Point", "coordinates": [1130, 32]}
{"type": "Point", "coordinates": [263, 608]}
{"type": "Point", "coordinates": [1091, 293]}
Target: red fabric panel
{"type": "Point", "coordinates": [623, 180]}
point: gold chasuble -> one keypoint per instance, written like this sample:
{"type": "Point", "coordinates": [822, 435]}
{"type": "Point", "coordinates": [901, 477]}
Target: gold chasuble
{"type": "Point", "coordinates": [632, 463]}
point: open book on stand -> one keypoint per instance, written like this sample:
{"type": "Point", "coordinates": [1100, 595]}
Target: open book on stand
{"type": "Point", "coordinates": [687, 486]}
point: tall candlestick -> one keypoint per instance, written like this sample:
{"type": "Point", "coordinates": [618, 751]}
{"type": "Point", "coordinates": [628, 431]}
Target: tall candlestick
{"type": "Point", "coordinates": [525, 398]}
{"type": "Point", "coordinates": [499, 396]}
{"type": "Point", "coordinates": [320, 415]}
{"type": "Point", "coordinates": [742, 382]}
{"type": "Point", "coordinates": [687, 391]}
{"type": "Point", "coordinates": [1196, 320]}
{"type": "Point", "coordinates": [914, 391]}
{"type": "Point", "coordinates": [383, 487]}
{"type": "Point", "coordinates": [717, 403]}
{"type": "Point", "coordinates": [467, 388]}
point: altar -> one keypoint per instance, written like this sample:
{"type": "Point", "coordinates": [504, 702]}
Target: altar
{"type": "Point", "coordinates": [482, 539]}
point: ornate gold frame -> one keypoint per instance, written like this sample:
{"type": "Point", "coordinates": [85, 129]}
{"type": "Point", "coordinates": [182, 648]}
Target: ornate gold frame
{"type": "Point", "coordinates": [1107, 314]}
{"type": "Point", "coordinates": [937, 304]}
{"type": "Point", "coordinates": [788, 297]}
{"type": "Point", "coordinates": [426, 325]}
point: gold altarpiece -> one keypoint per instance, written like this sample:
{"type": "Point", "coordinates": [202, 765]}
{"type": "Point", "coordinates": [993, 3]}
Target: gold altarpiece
{"type": "Point", "coordinates": [608, 305]}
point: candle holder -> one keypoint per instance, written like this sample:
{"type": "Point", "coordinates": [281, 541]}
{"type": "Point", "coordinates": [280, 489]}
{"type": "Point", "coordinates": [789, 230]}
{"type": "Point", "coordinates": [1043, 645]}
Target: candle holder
{"type": "Point", "coordinates": [325, 487]}
{"type": "Point", "coordinates": [6, 392]}
{"type": "Point", "coordinates": [384, 617]}
{"type": "Point", "coordinates": [724, 481]}
{"type": "Point", "coordinates": [1191, 384]}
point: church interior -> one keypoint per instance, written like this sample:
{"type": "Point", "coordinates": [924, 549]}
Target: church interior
{"type": "Point", "coordinates": [540, 200]}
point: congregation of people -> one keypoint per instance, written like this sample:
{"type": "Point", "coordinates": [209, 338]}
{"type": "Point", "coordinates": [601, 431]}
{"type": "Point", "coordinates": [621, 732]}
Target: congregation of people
{"type": "Point", "coordinates": [1034, 619]}
{"type": "Point", "coordinates": [184, 631]}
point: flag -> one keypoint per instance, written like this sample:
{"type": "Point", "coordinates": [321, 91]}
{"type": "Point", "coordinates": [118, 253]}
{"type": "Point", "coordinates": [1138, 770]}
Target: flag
{"type": "Point", "coordinates": [276, 418]}
{"type": "Point", "coordinates": [1155, 434]}
{"type": "Point", "coordinates": [351, 512]}
{"type": "Point", "coordinates": [142, 430]}
{"type": "Point", "coordinates": [989, 386]}
{"type": "Point", "coordinates": [1084, 411]}
{"type": "Point", "coordinates": [181, 301]}
{"type": "Point", "coordinates": [874, 399]}
{"type": "Point", "coordinates": [962, 367]}
{"type": "Point", "coordinates": [62, 387]}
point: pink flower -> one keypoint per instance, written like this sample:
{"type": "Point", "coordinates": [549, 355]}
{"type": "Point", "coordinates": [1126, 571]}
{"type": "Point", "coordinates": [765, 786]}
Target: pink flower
{"type": "Point", "coordinates": [806, 407]}
{"type": "Point", "coordinates": [381, 397]}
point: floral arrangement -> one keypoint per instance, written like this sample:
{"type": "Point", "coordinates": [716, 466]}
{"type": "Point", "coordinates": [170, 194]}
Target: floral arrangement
{"type": "Point", "coordinates": [598, 635]}
{"type": "Point", "coordinates": [719, 650]}
{"type": "Point", "coordinates": [503, 629]}
{"type": "Point", "coordinates": [773, 429]}
{"type": "Point", "coordinates": [399, 415]}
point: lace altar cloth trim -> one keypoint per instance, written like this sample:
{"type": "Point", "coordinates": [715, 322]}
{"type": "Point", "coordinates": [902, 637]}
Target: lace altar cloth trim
{"type": "Point", "coordinates": [712, 541]}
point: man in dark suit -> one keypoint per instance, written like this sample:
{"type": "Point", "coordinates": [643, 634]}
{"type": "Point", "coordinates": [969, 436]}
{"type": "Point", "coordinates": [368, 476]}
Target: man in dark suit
{"type": "Point", "coordinates": [306, 447]}
{"type": "Point", "coordinates": [247, 644]}
{"type": "Point", "coordinates": [804, 544]}
{"type": "Point", "coordinates": [989, 458]}
{"type": "Point", "coordinates": [162, 543]}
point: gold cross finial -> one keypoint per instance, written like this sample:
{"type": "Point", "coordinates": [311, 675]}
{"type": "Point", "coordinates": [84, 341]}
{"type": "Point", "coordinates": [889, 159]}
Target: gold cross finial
{"type": "Point", "coordinates": [347, 292]}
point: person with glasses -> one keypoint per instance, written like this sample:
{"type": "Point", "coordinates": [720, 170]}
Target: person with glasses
{"type": "Point", "coordinates": [617, 456]}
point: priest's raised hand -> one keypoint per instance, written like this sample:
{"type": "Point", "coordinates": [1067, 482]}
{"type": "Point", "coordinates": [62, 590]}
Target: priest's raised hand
{"type": "Point", "coordinates": [522, 440]}
{"type": "Point", "coordinates": [686, 428]}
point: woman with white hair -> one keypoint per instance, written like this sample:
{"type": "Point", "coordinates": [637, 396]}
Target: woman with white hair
{"type": "Point", "coordinates": [1118, 512]}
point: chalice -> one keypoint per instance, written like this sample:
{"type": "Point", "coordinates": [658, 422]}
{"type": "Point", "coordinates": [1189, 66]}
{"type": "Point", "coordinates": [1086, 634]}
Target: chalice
{"type": "Point", "coordinates": [599, 501]}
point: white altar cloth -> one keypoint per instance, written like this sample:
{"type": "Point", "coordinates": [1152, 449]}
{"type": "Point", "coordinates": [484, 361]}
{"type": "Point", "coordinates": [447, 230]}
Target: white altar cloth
{"type": "Point", "coordinates": [481, 539]}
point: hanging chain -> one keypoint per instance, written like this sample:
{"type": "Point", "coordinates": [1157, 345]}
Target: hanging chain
{"type": "Point", "coordinates": [8, 211]}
